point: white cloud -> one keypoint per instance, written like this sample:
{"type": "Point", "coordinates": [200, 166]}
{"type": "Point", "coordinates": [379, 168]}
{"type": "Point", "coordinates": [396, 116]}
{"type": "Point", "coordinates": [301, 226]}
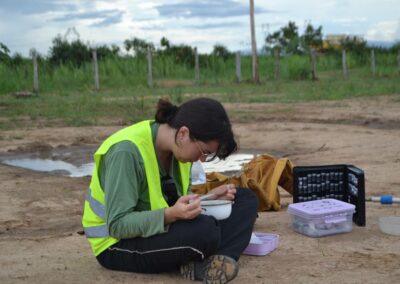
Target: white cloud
{"type": "Point", "coordinates": [384, 31]}
{"type": "Point", "coordinates": [349, 20]}
{"type": "Point", "coordinates": [26, 24]}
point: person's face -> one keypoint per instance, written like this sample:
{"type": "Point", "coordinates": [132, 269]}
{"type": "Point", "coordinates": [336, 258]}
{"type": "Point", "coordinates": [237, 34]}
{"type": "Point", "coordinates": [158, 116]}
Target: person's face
{"type": "Point", "coordinates": [192, 150]}
{"type": "Point", "coordinates": [203, 149]}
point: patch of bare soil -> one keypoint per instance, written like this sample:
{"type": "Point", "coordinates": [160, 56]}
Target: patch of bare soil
{"type": "Point", "coordinates": [40, 213]}
{"type": "Point", "coordinates": [174, 83]}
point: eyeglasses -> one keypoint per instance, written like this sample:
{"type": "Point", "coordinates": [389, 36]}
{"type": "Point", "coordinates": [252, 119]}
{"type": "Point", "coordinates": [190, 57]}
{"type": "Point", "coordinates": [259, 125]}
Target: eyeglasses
{"type": "Point", "coordinates": [205, 154]}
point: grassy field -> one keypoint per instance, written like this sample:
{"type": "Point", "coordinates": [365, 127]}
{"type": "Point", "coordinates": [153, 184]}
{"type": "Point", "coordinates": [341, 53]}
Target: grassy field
{"type": "Point", "coordinates": [67, 96]}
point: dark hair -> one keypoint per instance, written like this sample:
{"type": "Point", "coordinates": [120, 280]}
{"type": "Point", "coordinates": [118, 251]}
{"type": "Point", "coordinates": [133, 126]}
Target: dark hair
{"type": "Point", "coordinates": [206, 119]}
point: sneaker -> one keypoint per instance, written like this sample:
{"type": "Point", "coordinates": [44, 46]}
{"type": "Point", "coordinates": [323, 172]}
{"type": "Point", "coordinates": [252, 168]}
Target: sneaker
{"type": "Point", "coordinates": [193, 270]}
{"type": "Point", "coordinates": [220, 269]}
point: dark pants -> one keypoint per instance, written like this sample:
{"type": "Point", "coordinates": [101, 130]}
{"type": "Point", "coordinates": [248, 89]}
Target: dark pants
{"type": "Point", "coordinates": [187, 240]}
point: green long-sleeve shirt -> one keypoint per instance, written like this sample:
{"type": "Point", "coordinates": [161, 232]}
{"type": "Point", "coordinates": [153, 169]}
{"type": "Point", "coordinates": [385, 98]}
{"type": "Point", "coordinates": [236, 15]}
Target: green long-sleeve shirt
{"type": "Point", "coordinates": [123, 179]}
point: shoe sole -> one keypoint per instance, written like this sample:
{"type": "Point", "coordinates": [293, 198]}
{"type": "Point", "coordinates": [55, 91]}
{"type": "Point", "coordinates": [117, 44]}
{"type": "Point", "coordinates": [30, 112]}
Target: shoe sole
{"type": "Point", "coordinates": [187, 270]}
{"type": "Point", "coordinates": [220, 269]}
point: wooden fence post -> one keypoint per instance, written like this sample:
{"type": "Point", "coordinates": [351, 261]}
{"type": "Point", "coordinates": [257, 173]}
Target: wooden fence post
{"type": "Point", "coordinates": [196, 66]}
{"type": "Point", "coordinates": [314, 65]}
{"type": "Point", "coordinates": [398, 59]}
{"type": "Point", "coordinates": [373, 67]}
{"type": "Point", "coordinates": [96, 71]}
{"type": "Point", "coordinates": [344, 64]}
{"type": "Point", "coordinates": [277, 67]}
{"type": "Point", "coordinates": [35, 73]}
{"type": "Point", "coordinates": [238, 68]}
{"type": "Point", "coordinates": [149, 68]}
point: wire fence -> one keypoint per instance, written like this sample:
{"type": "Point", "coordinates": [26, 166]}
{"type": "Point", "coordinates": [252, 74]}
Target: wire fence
{"type": "Point", "coordinates": [155, 70]}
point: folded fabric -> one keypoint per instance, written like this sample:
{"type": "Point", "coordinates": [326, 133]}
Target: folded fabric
{"type": "Point", "coordinates": [263, 175]}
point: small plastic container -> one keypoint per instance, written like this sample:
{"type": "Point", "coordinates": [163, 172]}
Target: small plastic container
{"type": "Point", "coordinates": [390, 225]}
{"type": "Point", "coordinates": [322, 217]}
{"type": "Point", "coordinates": [262, 244]}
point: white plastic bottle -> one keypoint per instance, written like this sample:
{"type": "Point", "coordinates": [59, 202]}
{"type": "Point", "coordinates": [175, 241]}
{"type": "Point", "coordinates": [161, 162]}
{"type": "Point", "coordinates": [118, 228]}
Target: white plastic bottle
{"type": "Point", "coordinates": [198, 174]}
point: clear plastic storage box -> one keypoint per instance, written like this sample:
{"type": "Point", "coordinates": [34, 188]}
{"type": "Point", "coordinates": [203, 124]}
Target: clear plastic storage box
{"type": "Point", "coordinates": [322, 217]}
{"type": "Point", "coordinates": [341, 182]}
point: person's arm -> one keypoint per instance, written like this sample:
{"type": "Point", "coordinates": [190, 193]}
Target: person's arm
{"type": "Point", "coordinates": [186, 207]}
{"type": "Point", "coordinates": [225, 191]}
{"type": "Point", "coordinates": [124, 181]}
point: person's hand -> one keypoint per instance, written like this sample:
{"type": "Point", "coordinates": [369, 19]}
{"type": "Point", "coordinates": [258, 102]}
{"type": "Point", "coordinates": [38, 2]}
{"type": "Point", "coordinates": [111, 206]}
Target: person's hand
{"type": "Point", "coordinates": [225, 191]}
{"type": "Point", "coordinates": [186, 207]}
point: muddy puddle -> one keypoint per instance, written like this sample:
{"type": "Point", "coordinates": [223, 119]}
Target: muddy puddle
{"type": "Point", "coordinates": [55, 167]}
{"type": "Point", "coordinates": [73, 161]}
{"type": "Point", "coordinates": [77, 161]}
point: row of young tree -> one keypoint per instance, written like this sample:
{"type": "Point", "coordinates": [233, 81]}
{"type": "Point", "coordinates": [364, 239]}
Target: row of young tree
{"type": "Point", "coordinates": [78, 53]}
{"type": "Point", "coordinates": [287, 40]}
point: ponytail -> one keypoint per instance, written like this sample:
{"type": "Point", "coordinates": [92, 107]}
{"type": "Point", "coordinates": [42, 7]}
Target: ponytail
{"type": "Point", "coordinates": [166, 111]}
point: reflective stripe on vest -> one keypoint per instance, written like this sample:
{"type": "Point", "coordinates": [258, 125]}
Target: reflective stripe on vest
{"type": "Point", "coordinates": [96, 231]}
{"type": "Point", "coordinates": [98, 208]}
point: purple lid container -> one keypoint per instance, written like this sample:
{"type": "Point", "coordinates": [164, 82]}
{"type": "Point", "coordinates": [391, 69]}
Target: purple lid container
{"type": "Point", "coordinates": [267, 243]}
{"type": "Point", "coordinates": [320, 208]}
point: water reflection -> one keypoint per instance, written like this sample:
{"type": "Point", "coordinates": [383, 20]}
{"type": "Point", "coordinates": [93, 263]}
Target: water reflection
{"type": "Point", "coordinates": [231, 164]}
{"type": "Point", "coordinates": [46, 165]}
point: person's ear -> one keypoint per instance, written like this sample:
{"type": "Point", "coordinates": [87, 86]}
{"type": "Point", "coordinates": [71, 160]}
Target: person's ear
{"type": "Point", "coordinates": [183, 135]}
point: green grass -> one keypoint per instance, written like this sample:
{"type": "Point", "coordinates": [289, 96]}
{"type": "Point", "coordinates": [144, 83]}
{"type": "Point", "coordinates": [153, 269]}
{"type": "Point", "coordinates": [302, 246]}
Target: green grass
{"type": "Point", "coordinates": [127, 73]}
{"type": "Point", "coordinates": [67, 96]}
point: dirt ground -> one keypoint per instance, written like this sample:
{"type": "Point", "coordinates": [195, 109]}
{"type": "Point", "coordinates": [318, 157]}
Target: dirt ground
{"type": "Point", "coordinates": [41, 212]}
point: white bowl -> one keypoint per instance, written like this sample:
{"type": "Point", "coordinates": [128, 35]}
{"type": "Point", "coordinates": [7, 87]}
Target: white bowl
{"type": "Point", "coordinates": [219, 209]}
{"type": "Point", "coordinates": [390, 225]}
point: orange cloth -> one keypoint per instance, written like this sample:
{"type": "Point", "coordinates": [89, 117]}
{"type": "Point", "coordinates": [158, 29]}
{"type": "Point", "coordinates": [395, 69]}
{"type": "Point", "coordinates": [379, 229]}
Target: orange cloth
{"type": "Point", "coordinates": [262, 175]}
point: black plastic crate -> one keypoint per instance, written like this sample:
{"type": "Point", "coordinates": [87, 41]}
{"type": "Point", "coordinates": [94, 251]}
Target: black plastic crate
{"type": "Point", "coordinates": [342, 182]}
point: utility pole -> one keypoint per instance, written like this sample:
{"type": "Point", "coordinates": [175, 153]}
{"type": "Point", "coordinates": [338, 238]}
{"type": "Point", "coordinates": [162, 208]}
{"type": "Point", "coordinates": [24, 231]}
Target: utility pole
{"type": "Point", "coordinates": [256, 75]}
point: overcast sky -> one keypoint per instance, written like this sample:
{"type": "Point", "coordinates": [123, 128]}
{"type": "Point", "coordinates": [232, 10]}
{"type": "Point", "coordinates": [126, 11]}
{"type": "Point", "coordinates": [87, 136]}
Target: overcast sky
{"type": "Point", "coordinates": [26, 24]}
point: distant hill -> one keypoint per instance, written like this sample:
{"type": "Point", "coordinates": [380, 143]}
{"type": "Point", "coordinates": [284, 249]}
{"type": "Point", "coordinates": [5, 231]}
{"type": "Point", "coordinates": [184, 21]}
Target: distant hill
{"type": "Point", "coordinates": [383, 44]}
{"type": "Point", "coordinates": [370, 43]}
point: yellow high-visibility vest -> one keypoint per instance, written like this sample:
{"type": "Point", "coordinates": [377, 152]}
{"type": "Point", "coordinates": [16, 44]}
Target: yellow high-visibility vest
{"type": "Point", "coordinates": [93, 221]}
